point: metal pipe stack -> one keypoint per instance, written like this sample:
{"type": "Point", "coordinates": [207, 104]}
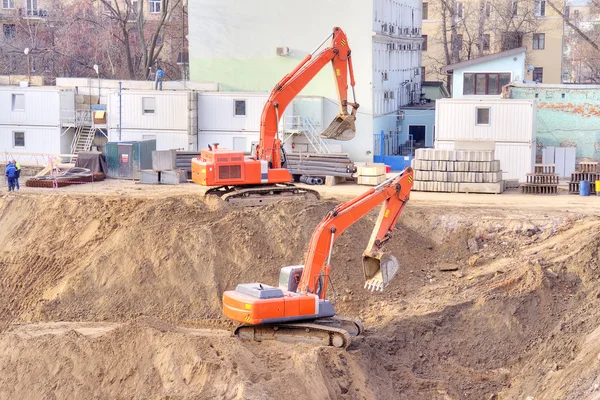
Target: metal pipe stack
{"type": "Point", "coordinates": [311, 180]}
{"type": "Point", "coordinates": [319, 165]}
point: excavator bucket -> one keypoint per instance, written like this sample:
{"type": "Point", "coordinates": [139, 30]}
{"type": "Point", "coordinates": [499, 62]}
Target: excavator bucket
{"type": "Point", "coordinates": [379, 270]}
{"type": "Point", "coordinates": [341, 128]}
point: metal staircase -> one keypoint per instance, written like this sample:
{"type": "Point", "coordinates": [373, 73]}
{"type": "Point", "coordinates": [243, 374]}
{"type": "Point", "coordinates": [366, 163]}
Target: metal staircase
{"type": "Point", "coordinates": [299, 125]}
{"type": "Point", "coordinates": [84, 133]}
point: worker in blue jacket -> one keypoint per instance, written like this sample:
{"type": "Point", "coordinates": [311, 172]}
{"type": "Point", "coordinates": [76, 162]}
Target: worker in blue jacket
{"type": "Point", "coordinates": [11, 175]}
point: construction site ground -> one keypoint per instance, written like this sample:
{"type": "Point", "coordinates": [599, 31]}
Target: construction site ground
{"type": "Point", "coordinates": [112, 290]}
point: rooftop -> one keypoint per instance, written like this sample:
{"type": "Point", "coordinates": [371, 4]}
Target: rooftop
{"type": "Point", "coordinates": [482, 59]}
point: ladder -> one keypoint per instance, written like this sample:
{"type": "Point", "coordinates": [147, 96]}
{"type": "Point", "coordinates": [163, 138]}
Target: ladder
{"type": "Point", "coordinates": [297, 124]}
{"type": "Point", "coordinates": [84, 139]}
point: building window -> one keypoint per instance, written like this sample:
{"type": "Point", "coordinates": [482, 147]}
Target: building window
{"type": "Point", "coordinates": [539, 41]}
{"type": "Point", "coordinates": [515, 8]}
{"type": "Point", "coordinates": [239, 108]}
{"type": "Point", "coordinates": [457, 41]}
{"type": "Point", "coordinates": [488, 10]}
{"type": "Point", "coordinates": [540, 8]}
{"type": "Point", "coordinates": [486, 41]}
{"type": "Point", "coordinates": [155, 6]}
{"type": "Point", "coordinates": [538, 75]}
{"type": "Point", "coordinates": [459, 9]}
{"type": "Point", "coordinates": [483, 116]}
{"type": "Point", "coordinates": [107, 6]}
{"type": "Point", "coordinates": [425, 11]}
{"type": "Point", "coordinates": [424, 43]}
{"type": "Point", "coordinates": [422, 74]}
{"type": "Point", "coordinates": [18, 139]}
{"type": "Point", "coordinates": [484, 83]}
{"type": "Point", "coordinates": [18, 102]}
{"type": "Point", "coordinates": [148, 105]}
{"type": "Point", "coordinates": [576, 14]}
{"type": "Point", "coordinates": [567, 12]}
{"type": "Point", "coordinates": [10, 31]}
{"type": "Point", "coordinates": [8, 4]}
{"type": "Point", "coordinates": [511, 40]}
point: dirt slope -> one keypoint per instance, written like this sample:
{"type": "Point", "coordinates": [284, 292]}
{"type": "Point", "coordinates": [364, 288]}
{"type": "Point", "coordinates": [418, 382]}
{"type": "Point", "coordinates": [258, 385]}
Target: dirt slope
{"type": "Point", "coordinates": [138, 282]}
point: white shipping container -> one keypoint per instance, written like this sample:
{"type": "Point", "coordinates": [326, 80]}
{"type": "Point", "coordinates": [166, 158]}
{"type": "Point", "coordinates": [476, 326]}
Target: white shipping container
{"type": "Point", "coordinates": [516, 159]}
{"type": "Point", "coordinates": [509, 120]}
{"type": "Point", "coordinates": [165, 140]}
{"type": "Point", "coordinates": [216, 111]}
{"type": "Point", "coordinates": [239, 141]}
{"type": "Point", "coordinates": [152, 110]}
{"type": "Point", "coordinates": [35, 106]}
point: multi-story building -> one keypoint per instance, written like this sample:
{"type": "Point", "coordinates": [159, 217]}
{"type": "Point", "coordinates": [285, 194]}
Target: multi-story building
{"type": "Point", "coordinates": [456, 31]}
{"type": "Point", "coordinates": [582, 60]}
{"type": "Point", "coordinates": [246, 46]}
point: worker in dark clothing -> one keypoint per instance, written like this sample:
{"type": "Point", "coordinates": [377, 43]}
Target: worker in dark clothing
{"type": "Point", "coordinates": [11, 174]}
{"type": "Point", "coordinates": [18, 167]}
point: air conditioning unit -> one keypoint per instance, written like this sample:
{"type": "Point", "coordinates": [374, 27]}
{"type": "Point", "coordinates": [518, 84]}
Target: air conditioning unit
{"type": "Point", "coordinates": [385, 76]}
{"type": "Point", "coordinates": [386, 95]}
{"type": "Point", "coordinates": [406, 31]}
{"type": "Point", "coordinates": [417, 71]}
{"type": "Point", "coordinates": [400, 115]}
{"type": "Point", "coordinates": [283, 51]}
{"type": "Point", "coordinates": [392, 29]}
{"type": "Point", "coordinates": [391, 95]}
{"type": "Point", "coordinates": [384, 28]}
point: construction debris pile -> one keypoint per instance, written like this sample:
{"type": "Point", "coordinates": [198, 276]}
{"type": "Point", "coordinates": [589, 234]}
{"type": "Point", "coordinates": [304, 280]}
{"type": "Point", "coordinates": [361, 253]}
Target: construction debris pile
{"type": "Point", "coordinates": [587, 172]}
{"type": "Point", "coordinates": [544, 180]}
{"type": "Point", "coordinates": [320, 165]}
{"type": "Point", "coordinates": [457, 171]}
{"type": "Point", "coordinates": [72, 176]}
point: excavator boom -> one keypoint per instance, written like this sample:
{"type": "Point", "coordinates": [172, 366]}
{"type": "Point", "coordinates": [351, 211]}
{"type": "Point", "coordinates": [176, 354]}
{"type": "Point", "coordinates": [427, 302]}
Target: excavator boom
{"type": "Point", "coordinates": [298, 306]}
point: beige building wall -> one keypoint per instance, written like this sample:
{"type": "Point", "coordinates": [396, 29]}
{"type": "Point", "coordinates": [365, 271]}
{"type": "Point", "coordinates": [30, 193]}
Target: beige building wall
{"type": "Point", "coordinates": [549, 58]}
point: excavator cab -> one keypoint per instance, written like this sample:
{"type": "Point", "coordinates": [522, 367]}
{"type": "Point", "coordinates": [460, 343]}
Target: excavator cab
{"type": "Point", "coordinates": [343, 127]}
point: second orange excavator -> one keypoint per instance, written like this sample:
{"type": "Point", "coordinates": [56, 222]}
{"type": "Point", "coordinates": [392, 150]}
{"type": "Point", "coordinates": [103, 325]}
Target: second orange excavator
{"type": "Point", "coordinates": [263, 177]}
{"type": "Point", "coordinates": [297, 310]}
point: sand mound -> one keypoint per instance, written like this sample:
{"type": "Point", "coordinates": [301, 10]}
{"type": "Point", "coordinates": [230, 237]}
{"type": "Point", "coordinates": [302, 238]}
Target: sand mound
{"type": "Point", "coordinates": [119, 297]}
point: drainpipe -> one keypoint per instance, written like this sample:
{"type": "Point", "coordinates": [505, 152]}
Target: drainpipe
{"type": "Point", "coordinates": [120, 108]}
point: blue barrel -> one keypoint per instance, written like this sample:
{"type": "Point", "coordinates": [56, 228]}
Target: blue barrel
{"type": "Point", "coordinates": [584, 188]}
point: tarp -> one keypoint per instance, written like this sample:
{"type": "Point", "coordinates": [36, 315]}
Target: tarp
{"type": "Point", "coordinates": [94, 161]}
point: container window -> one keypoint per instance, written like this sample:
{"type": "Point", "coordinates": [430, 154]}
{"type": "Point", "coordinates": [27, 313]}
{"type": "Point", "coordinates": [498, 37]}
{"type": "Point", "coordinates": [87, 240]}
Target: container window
{"type": "Point", "coordinates": [18, 102]}
{"type": "Point", "coordinates": [483, 116]}
{"type": "Point", "coordinates": [240, 108]}
{"type": "Point", "coordinates": [148, 105]}
{"type": "Point", "coordinates": [18, 139]}
{"type": "Point", "coordinates": [469, 84]}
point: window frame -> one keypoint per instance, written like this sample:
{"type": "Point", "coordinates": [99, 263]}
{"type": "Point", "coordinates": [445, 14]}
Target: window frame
{"type": "Point", "coordinates": [459, 38]}
{"type": "Point", "coordinates": [487, 10]}
{"type": "Point", "coordinates": [489, 116]}
{"type": "Point", "coordinates": [9, 34]}
{"type": "Point", "coordinates": [146, 111]}
{"type": "Point", "coordinates": [424, 45]}
{"type": "Point", "coordinates": [14, 137]}
{"type": "Point", "coordinates": [235, 102]}
{"type": "Point", "coordinates": [8, 3]}
{"type": "Point", "coordinates": [539, 8]}
{"type": "Point", "coordinates": [539, 38]}
{"type": "Point", "coordinates": [13, 103]}
{"type": "Point", "coordinates": [487, 42]}
{"type": "Point", "coordinates": [460, 7]}
{"type": "Point", "coordinates": [425, 11]}
{"type": "Point", "coordinates": [487, 79]}
{"type": "Point", "coordinates": [538, 71]}
{"type": "Point", "coordinates": [153, 6]}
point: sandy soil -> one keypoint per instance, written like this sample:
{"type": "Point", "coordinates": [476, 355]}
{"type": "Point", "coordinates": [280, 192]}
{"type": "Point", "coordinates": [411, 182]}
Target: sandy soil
{"type": "Point", "coordinates": [113, 290]}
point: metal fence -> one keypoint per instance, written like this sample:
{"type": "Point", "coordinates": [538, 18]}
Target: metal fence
{"type": "Point", "coordinates": [391, 144]}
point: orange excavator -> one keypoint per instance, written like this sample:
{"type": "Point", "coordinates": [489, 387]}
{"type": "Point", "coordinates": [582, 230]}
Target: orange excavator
{"type": "Point", "coordinates": [297, 310]}
{"type": "Point", "coordinates": [264, 177]}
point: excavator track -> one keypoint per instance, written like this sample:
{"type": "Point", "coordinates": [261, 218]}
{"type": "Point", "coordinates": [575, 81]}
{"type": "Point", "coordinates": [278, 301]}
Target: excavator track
{"type": "Point", "coordinates": [249, 196]}
{"type": "Point", "coordinates": [335, 331]}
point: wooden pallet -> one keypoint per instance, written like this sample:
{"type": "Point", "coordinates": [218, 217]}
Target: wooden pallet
{"type": "Point", "coordinates": [532, 188]}
{"type": "Point", "coordinates": [574, 188]}
{"type": "Point", "coordinates": [577, 177]}
{"type": "Point", "coordinates": [588, 166]}
{"type": "Point", "coordinates": [544, 168]}
{"type": "Point", "coordinates": [545, 179]}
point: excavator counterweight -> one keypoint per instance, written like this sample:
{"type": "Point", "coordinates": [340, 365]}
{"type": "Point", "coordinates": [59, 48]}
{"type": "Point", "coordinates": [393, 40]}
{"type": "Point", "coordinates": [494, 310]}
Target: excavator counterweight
{"type": "Point", "coordinates": [297, 309]}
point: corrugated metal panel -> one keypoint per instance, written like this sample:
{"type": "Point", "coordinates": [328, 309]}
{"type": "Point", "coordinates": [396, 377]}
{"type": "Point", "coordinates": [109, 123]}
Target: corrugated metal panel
{"type": "Point", "coordinates": [165, 140]}
{"type": "Point", "coordinates": [216, 111]}
{"type": "Point", "coordinates": [37, 139]}
{"type": "Point", "coordinates": [516, 159]}
{"type": "Point", "coordinates": [41, 107]}
{"type": "Point", "coordinates": [510, 120]}
{"type": "Point", "coordinates": [171, 110]}
{"type": "Point", "coordinates": [231, 140]}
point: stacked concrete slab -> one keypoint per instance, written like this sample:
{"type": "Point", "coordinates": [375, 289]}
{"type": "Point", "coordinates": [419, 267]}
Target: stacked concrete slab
{"type": "Point", "coordinates": [458, 171]}
{"type": "Point", "coordinates": [544, 180]}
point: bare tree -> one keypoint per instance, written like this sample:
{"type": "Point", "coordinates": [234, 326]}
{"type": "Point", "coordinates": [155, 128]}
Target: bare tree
{"type": "Point", "coordinates": [582, 35]}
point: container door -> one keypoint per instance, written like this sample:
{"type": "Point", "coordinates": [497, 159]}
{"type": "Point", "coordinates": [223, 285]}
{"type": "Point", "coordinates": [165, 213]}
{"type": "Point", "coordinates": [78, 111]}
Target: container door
{"type": "Point", "coordinates": [125, 160]}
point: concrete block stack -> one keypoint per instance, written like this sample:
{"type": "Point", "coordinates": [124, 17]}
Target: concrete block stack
{"type": "Point", "coordinates": [544, 180]}
{"type": "Point", "coordinates": [457, 171]}
{"type": "Point", "coordinates": [166, 169]}
{"type": "Point", "coordinates": [587, 171]}
{"type": "Point", "coordinates": [370, 174]}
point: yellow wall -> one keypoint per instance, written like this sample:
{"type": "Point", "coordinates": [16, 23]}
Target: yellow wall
{"type": "Point", "coordinates": [550, 59]}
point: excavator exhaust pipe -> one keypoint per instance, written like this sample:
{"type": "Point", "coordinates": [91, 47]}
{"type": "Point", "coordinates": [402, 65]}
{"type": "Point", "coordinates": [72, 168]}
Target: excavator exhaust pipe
{"type": "Point", "coordinates": [379, 270]}
{"type": "Point", "coordinates": [343, 127]}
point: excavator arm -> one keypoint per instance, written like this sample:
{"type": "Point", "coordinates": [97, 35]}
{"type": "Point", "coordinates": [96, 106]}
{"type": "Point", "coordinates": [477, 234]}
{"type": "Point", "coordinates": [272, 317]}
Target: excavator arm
{"type": "Point", "coordinates": [379, 268]}
{"type": "Point", "coordinates": [342, 128]}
